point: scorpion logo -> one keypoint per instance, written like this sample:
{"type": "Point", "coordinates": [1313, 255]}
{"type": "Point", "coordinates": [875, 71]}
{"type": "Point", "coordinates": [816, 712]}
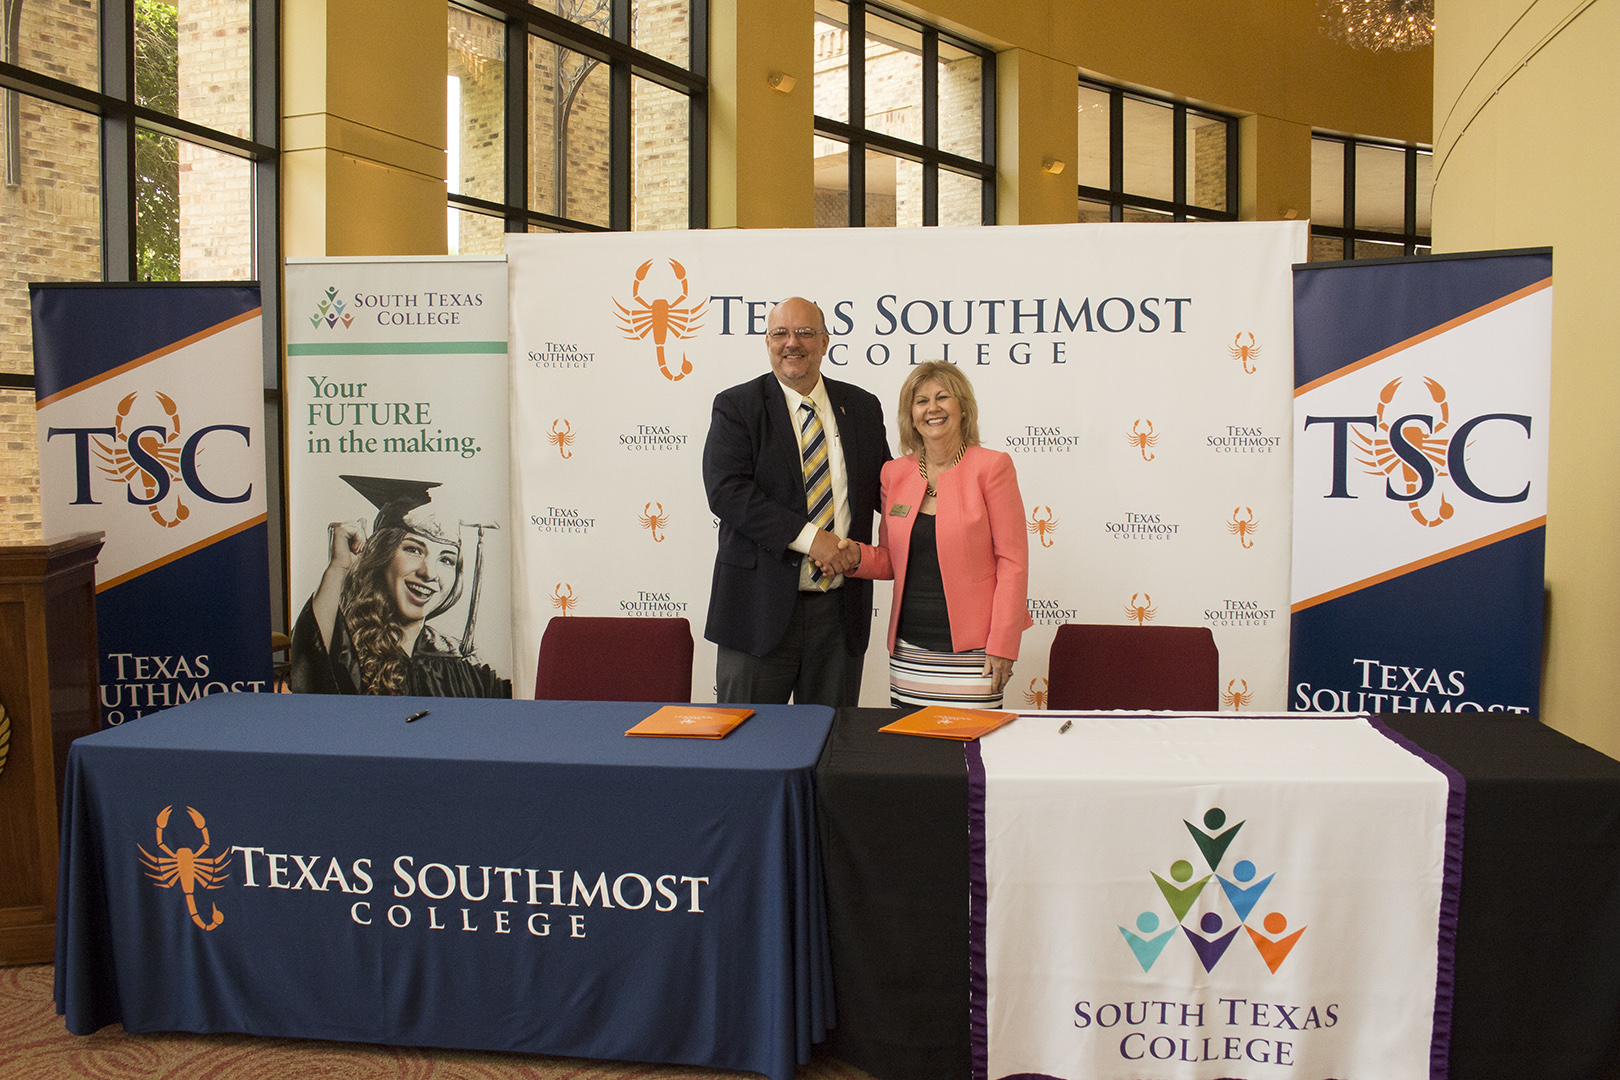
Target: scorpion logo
{"type": "Point", "coordinates": [187, 868]}
{"type": "Point", "coordinates": [1142, 612]}
{"type": "Point", "coordinates": [663, 319]}
{"type": "Point", "coordinates": [164, 451]}
{"type": "Point", "coordinates": [1381, 457]}
{"type": "Point", "coordinates": [563, 601]}
{"type": "Point", "coordinates": [563, 439]}
{"type": "Point", "coordinates": [1243, 528]}
{"type": "Point", "coordinates": [1245, 353]}
{"type": "Point", "coordinates": [330, 312]}
{"type": "Point", "coordinates": [652, 521]}
{"type": "Point", "coordinates": [1235, 697]}
{"type": "Point", "coordinates": [1142, 440]}
{"type": "Point", "coordinates": [1035, 697]}
{"type": "Point", "coordinates": [1043, 527]}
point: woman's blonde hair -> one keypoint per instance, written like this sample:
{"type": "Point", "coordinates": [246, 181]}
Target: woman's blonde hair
{"type": "Point", "coordinates": [951, 378]}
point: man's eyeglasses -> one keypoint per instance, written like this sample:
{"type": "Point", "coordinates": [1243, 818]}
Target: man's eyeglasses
{"type": "Point", "coordinates": [803, 333]}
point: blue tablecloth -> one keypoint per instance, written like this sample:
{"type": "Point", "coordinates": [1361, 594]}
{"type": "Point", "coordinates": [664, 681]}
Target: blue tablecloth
{"type": "Point", "coordinates": [497, 875]}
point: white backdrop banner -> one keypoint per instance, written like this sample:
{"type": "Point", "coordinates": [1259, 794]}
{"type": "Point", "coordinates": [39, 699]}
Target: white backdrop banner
{"type": "Point", "coordinates": [1140, 378]}
{"type": "Point", "coordinates": [397, 371]}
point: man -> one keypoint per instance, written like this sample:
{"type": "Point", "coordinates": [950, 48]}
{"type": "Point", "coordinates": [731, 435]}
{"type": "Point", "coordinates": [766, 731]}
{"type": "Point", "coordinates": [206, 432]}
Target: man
{"type": "Point", "coordinates": [791, 466]}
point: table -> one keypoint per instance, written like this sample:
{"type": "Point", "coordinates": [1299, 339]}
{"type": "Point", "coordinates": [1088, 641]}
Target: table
{"type": "Point", "coordinates": [1538, 937]}
{"type": "Point", "coordinates": [496, 875]}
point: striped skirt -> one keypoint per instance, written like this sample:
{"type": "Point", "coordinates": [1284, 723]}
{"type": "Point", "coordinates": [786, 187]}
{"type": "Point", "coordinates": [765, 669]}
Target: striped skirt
{"type": "Point", "coordinates": [920, 676]}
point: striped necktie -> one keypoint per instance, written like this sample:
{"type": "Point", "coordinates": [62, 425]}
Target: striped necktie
{"type": "Point", "coordinates": [818, 491]}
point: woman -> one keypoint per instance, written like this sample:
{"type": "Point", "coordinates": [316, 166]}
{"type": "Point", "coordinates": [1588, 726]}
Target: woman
{"type": "Point", "coordinates": [364, 630]}
{"type": "Point", "coordinates": [954, 541]}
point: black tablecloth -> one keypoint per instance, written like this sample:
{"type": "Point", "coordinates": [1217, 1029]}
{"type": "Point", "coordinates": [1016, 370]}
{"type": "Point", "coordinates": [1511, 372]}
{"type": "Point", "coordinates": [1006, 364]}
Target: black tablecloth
{"type": "Point", "coordinates": [1538, 940]}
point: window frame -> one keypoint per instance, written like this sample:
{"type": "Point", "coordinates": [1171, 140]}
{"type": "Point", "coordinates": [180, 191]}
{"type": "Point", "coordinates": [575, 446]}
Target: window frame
{"type": "Point", "coordinates": [624, 63]}
{"type": "Point", "coordinates": [927, 153]}
{"type": "Point", "coordinates": [1119, 200]}
{"type": "Point", "coordinates": [1409, 238]}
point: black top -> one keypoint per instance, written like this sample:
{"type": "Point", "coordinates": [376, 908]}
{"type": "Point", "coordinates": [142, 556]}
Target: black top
{"type": "Point", "coordinates": [435, 668]}
{"type": "Point", "coordinates": [924, 618]}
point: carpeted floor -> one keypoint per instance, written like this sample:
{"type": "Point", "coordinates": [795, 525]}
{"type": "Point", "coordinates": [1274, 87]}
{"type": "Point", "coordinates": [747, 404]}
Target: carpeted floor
{"type": "Point", "coordinates": [34, 1045]}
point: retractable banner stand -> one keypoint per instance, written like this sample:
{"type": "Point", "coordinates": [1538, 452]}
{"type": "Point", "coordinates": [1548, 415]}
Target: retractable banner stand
{"type": "Point", "coordinates": [397, 425]}
{"type": "Point", "coordinates": [151, 429]}
{"type": "Point", "coordinates": [1139, 378]}
{"type": "Point", "coordinates": [1420, 483]}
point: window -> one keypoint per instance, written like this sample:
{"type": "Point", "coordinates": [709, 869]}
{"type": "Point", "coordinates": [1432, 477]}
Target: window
{"type": "Point", "coordinates": [139, 142]}
{"type": "Point", "coordinates": [575, 115]}
{"type": "Point", "coordinates": [1143, 158]}
{"type": "Point", "coordinates": [1369, 200]}
{"type": "Point", "coordinates": [905, 124]}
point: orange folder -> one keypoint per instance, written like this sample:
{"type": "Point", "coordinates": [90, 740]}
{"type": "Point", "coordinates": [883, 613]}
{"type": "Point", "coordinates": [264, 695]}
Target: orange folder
{"type": "Point", "coordinates": [948, 722]}
{"type": "Point", "coordinates": [691, 722]}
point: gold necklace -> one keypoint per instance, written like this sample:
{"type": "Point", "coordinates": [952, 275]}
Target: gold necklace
{"type": "Point", "coordinates": [922, 467]}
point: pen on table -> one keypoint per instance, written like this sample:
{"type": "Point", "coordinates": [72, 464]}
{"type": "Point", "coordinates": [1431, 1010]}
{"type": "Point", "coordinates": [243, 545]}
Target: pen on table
{"type": "Point", "coordinates": [416, 716]}
{"type": "Point", "coordinates": [1067, 724]}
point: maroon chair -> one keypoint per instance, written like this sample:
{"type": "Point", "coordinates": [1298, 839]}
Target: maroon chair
{"type": "Point", "coordinates": [1134, 667]}
{"type": "Point", "coordinates": [593, 659]}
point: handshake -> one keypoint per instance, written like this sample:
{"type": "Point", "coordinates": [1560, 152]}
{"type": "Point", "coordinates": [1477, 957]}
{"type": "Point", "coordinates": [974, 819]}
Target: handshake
{"type": "Point", "coordinates": [833, 555]}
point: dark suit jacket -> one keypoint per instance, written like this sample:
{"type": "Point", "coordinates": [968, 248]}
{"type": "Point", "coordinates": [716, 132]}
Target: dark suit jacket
{"type": "Point", "coordinates": [755, 482]}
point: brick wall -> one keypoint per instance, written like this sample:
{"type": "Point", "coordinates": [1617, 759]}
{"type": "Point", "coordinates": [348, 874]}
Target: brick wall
{"type": "Point", "coordinates": [216, 190]}
{"type": "Point", "coordinates": [52, 230]}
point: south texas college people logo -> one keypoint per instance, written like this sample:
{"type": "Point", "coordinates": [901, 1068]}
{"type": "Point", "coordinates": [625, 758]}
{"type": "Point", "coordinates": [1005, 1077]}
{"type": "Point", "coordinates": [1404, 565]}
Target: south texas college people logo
{"type": "Point", "coordinates": [190, 869]}
{"type": "Point", "coordinates": [662, 319]}
{"type": "Point", "coordinates": [1242, 893]}
{"type": "Point", "coordinates": [329, 312]}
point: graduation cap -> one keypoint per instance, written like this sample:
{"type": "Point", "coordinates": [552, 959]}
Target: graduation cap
{"type": "Point", "coordinates": [395, 499]}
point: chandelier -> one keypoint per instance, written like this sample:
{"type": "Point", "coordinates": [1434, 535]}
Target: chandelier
{"type": "Point", "coordinates": [1397, 25]}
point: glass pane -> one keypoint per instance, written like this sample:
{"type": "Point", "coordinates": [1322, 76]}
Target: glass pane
{"type": "Point", "coordinates": [832, 60]}
{"type": "Point", "coordinates": [1326, 249]}
{"type": "Point", "coordinates": [1136, 213]}
{"type": "Point", "coordinates": [52, 233]}
{"type": "Point", "coordinates": [61, 40]}
{"type": "Point", "coordinates": [1327, 183]}
{"type": "Point", "coordinates": [832, 183]}
{"type": "Point", "coordinates": [470, 233]}
{"type": "Point", "coordinates": [1093, 211]}
{"type": "Point", "coordinates": [568, 133]}
{"type": "Point", "coordinates": [1092, 159]}
{"type": "Point", "coordinates": [216, 215]}
{"type": "Point", "coordinates": [157, 56]}
{"type": "Point", "coordinates": [893, 79]}
{"type": "Point", "coordinates": [157, 207]}
{"type": "Point", "coordinates": [1380, 188]}
{"type": "Point", "coordinates": [216, 57]}
{"type": "Point", "coordinates": [1372, 249]}
{"type": "Point", "coordinates": [660, 144]}
{"type": "Point", "coordinates": [961, 102]}
{"type": "Point", "coordinates": [663, 28]}
{"type": "Point", "coordinates": [1206, 161]}
{"type": "Point", "coordinates": [1425, 191]}
{"type": "Point", "coordinates": [884, 180]}
{"type": "Point", "coordinates": [596, 14]}
{"type": "Point", "coordinates": [1149, 149]}
{"type": "Point", "coordinates": [475, 107]}
{"type": "Point", "coordinates": [961, 199]}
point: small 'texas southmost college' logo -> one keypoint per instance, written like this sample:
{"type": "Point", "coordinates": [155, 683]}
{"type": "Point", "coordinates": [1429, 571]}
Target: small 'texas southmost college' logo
{"type": "Point", "coordinates": [1143, 439]}
{"type": "Point", "coordinates": [1242, 893]}
{"type": "Point", "coordinates": [1246, 354]}
{"type": "Point", "coordinates": [329, 312]}
{"type": "Point", "coordinates": [187, 867]}
{"type": "Point", "coordinates": [662, 319]}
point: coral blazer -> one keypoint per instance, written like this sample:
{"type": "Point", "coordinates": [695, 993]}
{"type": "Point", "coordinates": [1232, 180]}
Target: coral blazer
{"type": "Point", "coordinates": [983, 547]}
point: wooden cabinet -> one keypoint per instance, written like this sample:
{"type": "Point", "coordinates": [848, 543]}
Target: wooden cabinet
{"type": "Point", "coordinates": [48, 687]}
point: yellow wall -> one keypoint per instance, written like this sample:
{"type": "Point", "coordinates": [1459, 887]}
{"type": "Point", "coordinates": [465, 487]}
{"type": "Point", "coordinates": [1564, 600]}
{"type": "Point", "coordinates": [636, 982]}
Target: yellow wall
{"type": "Point", "coordinates": [363, 113]}
{"type": "Point", "coordinates": [1525, 147]}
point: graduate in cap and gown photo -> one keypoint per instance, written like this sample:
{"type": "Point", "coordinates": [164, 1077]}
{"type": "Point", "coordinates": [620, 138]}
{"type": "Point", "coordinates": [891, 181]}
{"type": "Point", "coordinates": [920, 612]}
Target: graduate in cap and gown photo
{"type": "Point", "coordinates": [365, 629]}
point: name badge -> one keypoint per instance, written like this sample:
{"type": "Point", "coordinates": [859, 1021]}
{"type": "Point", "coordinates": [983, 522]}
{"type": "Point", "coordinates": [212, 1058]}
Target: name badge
{"type": "Point", "coordinates": [899, 510]}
